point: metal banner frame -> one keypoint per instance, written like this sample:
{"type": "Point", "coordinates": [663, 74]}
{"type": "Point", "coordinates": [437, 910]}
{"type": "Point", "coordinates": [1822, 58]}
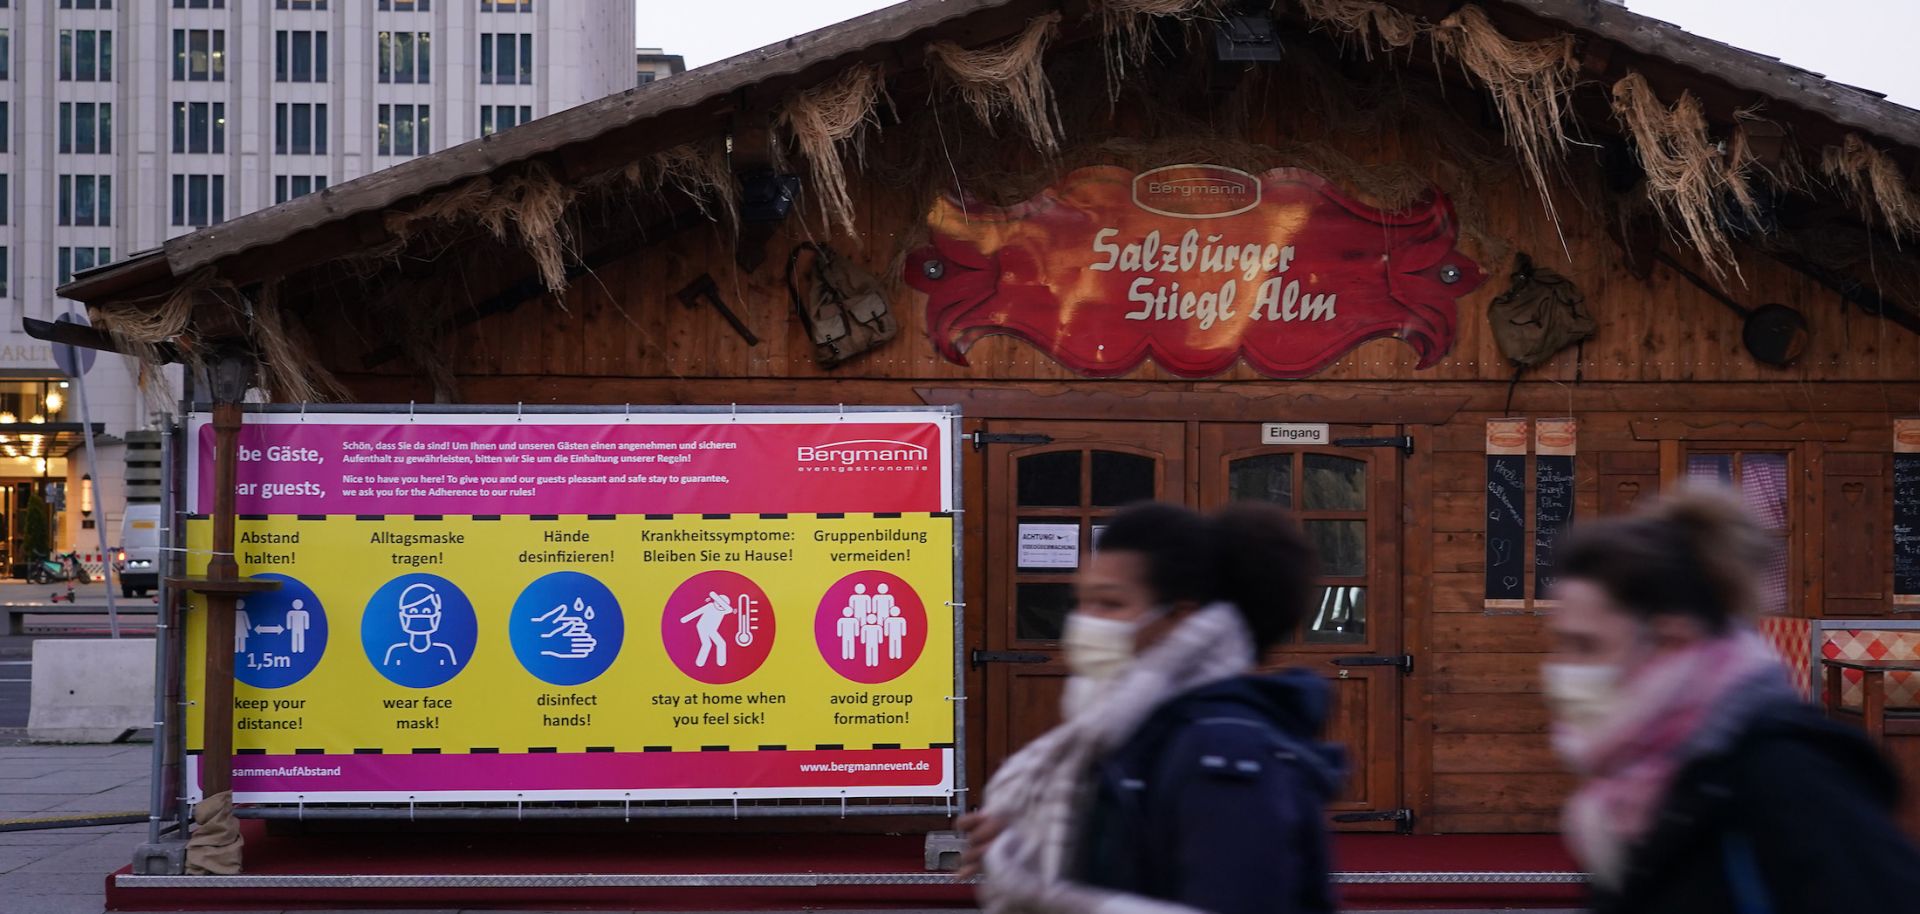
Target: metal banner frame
{"type": "Point", "coordinates": [171, 794]}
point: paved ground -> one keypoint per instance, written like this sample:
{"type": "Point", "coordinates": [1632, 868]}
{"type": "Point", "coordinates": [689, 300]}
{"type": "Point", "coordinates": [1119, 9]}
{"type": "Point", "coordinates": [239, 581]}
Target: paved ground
{"type": "Point", "coordinates": [60, 871]}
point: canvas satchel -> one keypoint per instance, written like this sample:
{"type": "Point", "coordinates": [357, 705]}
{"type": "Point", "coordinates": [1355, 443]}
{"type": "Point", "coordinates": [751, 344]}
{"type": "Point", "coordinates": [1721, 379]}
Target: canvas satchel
{"type": "Point", "coordinates": [1539, 314]}
{"type": "Point", "coordinates": [841, 305]}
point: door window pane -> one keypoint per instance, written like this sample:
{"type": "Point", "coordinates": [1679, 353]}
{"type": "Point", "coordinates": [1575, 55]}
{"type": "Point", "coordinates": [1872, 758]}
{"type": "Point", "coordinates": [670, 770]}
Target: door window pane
{"type": "Point", "coordinates": [1263, 477]}
{"type": "Point", "coordinates": [1341, 545]}
{"type": "Point", "coordinates": [1334, 483]}
{"type": "Point", "coordinates": [1121, 479]}
{"type": "Point", "coordinates": [1050, 480]}
{"type": "Point", "coordinates": [1042, 610]}
{"type": "Point", "coordinates": [1340, 616]}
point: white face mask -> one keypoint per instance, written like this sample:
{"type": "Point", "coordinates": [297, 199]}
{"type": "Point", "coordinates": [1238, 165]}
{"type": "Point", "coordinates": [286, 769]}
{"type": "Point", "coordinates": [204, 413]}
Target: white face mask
{"type": "Point", "coordinates": [1099, 648]}
{"type": "Point", "coordinates": [1582, 696]}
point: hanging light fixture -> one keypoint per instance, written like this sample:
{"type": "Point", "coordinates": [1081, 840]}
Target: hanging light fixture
{"type": "Point", "coordinates": [55, 401]}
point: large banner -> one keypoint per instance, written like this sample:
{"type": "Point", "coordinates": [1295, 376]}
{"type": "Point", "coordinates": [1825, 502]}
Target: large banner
{"type": "Point", "coordinates": [588, 606]}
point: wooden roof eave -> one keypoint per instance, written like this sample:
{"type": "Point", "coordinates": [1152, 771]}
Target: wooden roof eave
{"type": "Point", "coordinates": [1849, 107]}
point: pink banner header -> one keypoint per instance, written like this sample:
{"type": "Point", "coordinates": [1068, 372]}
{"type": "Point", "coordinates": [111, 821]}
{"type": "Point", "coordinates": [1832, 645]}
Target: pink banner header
{"type": "Point", "coordinates": [498, 465]}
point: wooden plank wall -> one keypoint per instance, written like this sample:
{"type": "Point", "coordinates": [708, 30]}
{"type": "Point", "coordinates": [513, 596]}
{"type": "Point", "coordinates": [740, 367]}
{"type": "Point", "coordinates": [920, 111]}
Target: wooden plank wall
{"type": "Point", "coordinates": [1492, 767]}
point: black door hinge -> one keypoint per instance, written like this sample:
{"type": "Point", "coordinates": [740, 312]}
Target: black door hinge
{"type": "Point", "coordinates": [1403, 442]}
{"type": "Point", "coordinates": [1403, 661]}
{"type": "Point", "coordinates": [982, 439]}
{"type": "Point", "coordinates": [1404, 818]}
{"type": "Point", "coordinates": [982, 658]}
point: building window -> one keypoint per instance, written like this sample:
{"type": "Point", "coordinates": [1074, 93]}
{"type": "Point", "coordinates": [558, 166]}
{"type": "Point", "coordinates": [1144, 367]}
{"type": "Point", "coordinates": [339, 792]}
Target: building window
{"type": "Point", "coordinates": [86, 127]}
{"type": "Point", "coordinates": [506, 59]}
{"type": "Point", "coordinates": [86, 55]}
{"type": "Point", "coordinates": [6, 200]}
{"type": "Point", "coordinates": [6, 128]}
{"type": "Point", "coordinates": [5, 259]}
{"type": "Point", "coordinates": [1763, 481]}
{"type": "Point", "coordinates": [202, 4]}
{"type": "Point", "coordinates": [301, 4]}
{"type": "Point", "coordinates": [406, 6]}
{"type": "Point", "coordinates": [495, 118]}
{"type": "Point", "coordinates": [199, 200]}
{"type": "Point", "coordinates": [200, 127]}
{"type": "Point", "coordinates": [92, 4]}
{"type": "Point", "coordinates": [300, 57]}
{"type": "Point", "coordinates": [200, 55]}
{"type": "Point", "coordinates": [299, 129]}
{"type": "Point", "coordinates": [506, 6]}
{"type": "Point", "coordinates": [403, 130]}
{"type": "Point", "coordinates": [86, 199]}
{"type": "Point", "coordinates": [288, 187]}
{"type": "Point", "coordinates": [405, 57]}
{"type": "Point", "coordinates": [6, 55]}
{"type": "Point", "coordinates": [80, 260]}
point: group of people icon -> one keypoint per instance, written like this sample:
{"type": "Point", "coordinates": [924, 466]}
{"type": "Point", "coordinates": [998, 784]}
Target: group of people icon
{"type": "Point", "coordinates": [867, 621]}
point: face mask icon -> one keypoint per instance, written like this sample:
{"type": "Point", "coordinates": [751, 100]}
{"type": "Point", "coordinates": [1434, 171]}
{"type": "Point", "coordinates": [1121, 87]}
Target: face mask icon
{"type": "Point", "coordinates": [420, 620]}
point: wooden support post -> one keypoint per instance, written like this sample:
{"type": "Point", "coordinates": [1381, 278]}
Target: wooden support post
{"type": "Point", "coordinates": [216, 758]}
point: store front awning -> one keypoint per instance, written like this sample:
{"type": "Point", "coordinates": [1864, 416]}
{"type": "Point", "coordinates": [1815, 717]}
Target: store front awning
{"type": "Point", "coordinates": [44, 439]}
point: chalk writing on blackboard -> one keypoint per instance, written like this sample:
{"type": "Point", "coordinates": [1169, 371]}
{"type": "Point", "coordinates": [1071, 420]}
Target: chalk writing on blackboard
{"type": "Point", "coordinates": [1552, 515]}
{"type": "Point", "coordinates": [1506, 530]}
{"type": "Point", "coordinates": [1906, 528]}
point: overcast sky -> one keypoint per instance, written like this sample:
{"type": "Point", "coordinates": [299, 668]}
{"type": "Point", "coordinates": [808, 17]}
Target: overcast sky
{"type": "Point", "coordinates": [1867, 43]}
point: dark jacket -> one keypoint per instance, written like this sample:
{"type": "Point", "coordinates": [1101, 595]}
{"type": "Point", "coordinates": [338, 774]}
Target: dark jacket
{"type": "Point", "coordinates": [1217, 801]}
{"type": "Point", "coordinates": [1794, 817]}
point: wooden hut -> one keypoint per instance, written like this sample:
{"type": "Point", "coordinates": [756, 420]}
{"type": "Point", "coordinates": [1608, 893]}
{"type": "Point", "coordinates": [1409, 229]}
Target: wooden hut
{"type": "Point", "coordinates": [1536, 210]}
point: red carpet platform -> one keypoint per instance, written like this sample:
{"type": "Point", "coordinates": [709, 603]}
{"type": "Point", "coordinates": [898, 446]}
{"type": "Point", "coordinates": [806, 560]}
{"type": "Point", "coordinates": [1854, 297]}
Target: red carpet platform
{"type": "Point", "coordinates": [507, 869]}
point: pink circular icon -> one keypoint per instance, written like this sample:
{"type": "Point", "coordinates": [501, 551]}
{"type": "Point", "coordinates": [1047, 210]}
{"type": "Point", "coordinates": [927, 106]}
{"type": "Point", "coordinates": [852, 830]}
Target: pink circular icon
{"type": "Point", "coordinates": [871, 627]}
{"type": "Point", "coordinates": [717, 627]}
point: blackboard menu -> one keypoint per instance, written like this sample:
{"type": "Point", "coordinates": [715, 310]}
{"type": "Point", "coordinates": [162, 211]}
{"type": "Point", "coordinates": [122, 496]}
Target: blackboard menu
{"type": "Point", "coordinates": [1552, 497]}
{"type": "Point", "coordinates": [1506, 520]}
{"type": "Point", "coordinates": [1906, 512]}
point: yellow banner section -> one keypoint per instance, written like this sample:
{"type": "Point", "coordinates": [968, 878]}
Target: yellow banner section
{"type": "Point", "coordinates": [574, 633]}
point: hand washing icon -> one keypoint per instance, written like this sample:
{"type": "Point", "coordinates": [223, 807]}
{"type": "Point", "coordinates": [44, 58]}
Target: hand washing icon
{"type": "Point", "coordinates": [570, 630]}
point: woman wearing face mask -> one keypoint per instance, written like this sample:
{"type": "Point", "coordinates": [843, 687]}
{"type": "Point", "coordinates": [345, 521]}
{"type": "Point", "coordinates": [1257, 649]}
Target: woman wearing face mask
{"type": "Point", "coordinates": [1707, 784]}
{"type": "Point", "coordinates": [1180, 781]}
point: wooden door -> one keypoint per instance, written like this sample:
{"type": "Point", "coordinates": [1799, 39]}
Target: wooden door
{"type": "Point", "coordinates": [1347, 495]}
{"type": "Point", "coordinates": [1056, 481]}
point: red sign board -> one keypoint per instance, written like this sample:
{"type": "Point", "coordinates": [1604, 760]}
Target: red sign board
{"type": "Point", "coordinates": [1194, 267]}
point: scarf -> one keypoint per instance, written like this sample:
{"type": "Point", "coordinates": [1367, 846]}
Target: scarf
{"type": "Point", "coordinates": [1038, 791]}
{"type": "Point", "coordinates": [1685, 705]}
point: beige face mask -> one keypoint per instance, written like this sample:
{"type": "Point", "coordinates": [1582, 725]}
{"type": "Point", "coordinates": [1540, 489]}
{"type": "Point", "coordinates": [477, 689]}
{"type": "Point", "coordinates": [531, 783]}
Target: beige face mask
{"type": "Point", "coordinates": [1582, 697]}
{"type": "Point", "coordinates": [1099, 651]}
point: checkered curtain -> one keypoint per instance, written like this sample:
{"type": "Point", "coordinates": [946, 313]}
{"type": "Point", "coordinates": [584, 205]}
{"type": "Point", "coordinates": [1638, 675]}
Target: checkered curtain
{"type": "Point", "coordinates": [1763, 488]}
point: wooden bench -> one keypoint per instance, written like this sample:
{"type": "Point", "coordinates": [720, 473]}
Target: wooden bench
{"type": "Point", "coordinates": [17, 615]}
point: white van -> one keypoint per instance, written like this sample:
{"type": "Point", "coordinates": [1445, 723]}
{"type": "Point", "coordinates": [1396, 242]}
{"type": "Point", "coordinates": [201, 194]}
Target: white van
{"type": "Point", "coordinates": [138, 560]}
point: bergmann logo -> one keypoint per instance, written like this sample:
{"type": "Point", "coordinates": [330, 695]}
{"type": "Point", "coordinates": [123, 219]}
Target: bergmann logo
{"type": "Point", "coordinates": [1196, 191]}
{"type": "Point", "coordinates": [863, 455]}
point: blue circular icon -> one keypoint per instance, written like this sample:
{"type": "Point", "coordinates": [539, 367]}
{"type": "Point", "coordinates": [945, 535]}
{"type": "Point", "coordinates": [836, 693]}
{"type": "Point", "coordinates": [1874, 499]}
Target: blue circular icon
{"type": "Point", "coordinates": [419, 630]}
{"type": "Point", "coordinates": [278, 635]}
{"type": "Point", "coordinates": [566, 628]}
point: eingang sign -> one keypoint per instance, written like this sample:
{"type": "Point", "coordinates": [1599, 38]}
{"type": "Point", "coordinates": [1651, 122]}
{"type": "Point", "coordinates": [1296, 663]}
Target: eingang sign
{"type": "Point", "coordinates": [590, 606]}
{"type": "Point", "coordinates": [1193, 267]}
